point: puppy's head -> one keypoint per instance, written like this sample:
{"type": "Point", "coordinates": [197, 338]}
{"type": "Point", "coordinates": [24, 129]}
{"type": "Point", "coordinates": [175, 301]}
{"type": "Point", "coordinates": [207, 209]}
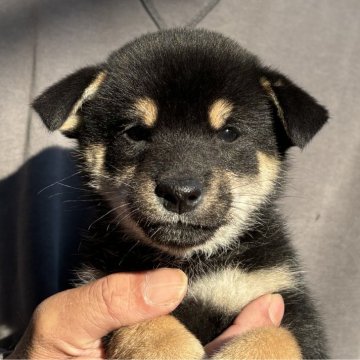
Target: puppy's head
{"type": "Point", "coordinates": [183, 132]}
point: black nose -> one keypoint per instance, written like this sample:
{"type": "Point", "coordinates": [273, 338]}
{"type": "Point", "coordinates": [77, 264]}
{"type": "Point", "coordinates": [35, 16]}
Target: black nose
{"type": "Point", "coordinates": [179, 195]}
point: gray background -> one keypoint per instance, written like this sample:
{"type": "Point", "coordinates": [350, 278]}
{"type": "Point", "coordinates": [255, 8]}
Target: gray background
{"type": "Point", "coordinates": [315, 42]}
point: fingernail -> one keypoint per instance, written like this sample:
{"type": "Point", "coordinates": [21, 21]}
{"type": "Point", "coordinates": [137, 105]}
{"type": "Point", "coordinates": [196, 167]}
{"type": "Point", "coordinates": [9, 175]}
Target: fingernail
{"type": "Point", "coordinates": [276, 309]}
{"type": "Point", "coordinates": [164, 287]}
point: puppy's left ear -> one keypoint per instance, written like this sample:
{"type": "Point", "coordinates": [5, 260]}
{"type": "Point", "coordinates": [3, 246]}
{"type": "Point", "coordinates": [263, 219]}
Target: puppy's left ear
{"type": "Point", "coordinates": [301, 116]}
{"type": "Point", "coordinates": [59, 105]}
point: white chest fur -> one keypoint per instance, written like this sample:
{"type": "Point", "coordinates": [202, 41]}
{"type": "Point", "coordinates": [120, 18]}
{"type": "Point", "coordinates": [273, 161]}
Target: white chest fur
{"type": "Point", "coordinates": [229, 290]}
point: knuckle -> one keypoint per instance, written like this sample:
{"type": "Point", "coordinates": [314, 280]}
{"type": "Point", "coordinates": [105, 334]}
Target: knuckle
{"type": "Point", "coordinates": [115, 299]}
{"type": "Point", "coordinates": [42, 324]}
{"type": "Point", "coordinates": [40, 315]}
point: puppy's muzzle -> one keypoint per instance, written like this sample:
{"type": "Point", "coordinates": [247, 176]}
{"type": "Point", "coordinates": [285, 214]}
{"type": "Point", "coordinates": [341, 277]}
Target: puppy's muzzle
{"type": "Point", "coordinates": [179, 195]}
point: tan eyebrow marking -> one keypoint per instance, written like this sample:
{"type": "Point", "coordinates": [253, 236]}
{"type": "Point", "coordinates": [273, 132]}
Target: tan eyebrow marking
{"type": "Point", "coordinates": [147, 110]}
{"type": "Point", "coordinates": [219, 111]}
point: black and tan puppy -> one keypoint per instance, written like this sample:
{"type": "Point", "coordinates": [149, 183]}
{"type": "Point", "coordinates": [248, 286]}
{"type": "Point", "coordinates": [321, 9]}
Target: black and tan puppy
{"type": "Point", "coordinates": [184, 133]}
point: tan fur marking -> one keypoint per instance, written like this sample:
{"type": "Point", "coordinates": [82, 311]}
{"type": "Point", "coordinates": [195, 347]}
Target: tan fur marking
{"type": "Point", "coordinates": [72, 121]}
{"type": "Point", "coordinates": [70, 124]}
{"type": "Point", "coordinates": [266, 84]}
{"type": "Point", "coordinates": [248, 193]}
{"type": "Point", "coordinates": [231, 289]}
{"type": "Point", "coordinates": [269, 169]}
{"type": "Point", "coordinates": [162, 338]}
{"type": "Point", "coordinates": [95, 158]}
{"type": "Point", "coordinates": [218, 113]}
{"type": "Point", "coordinates": [125, 176]}
{"type": "Point", "coordinates": [147, 110]}
{"type": "Point", "coordinates": [262, 343]}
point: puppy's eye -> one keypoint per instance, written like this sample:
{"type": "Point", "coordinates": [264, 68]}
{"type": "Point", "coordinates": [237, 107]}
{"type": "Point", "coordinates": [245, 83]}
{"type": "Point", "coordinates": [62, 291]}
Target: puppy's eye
{"type": "Point", "coordinates": [228, 134]}
{"type": "Point", "coordinates": [138, 133]}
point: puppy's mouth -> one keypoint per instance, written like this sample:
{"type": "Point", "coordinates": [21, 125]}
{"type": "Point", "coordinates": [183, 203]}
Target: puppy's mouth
{"type": "Point", "coordinates": [177, 235]}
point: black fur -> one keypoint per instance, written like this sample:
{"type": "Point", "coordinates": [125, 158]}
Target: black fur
{"type": "Point", "coordinates": [303, 115]}
{"type": "Point", "coordinates": [55, 104]}
{"type": "Point", "coordinates": [184, 72]}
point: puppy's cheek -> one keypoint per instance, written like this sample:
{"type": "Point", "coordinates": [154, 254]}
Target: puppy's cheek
{"type": "Point", "coordinates": [250, 192]}
{"type": "Point", "coordinates": [216, 200]}
{"type": "Point", "coordinates": [269, 173]}
{"type": "Point", "coordinates": [247, 194]}
{"type": "Point", "coordinates": [122, 212]}
{"type": "Point", "coordinates": [124, 178]}
{"type": "Point", "coordinates": [236, 210]}
{"type": "Point", "coordinates": [94, 163]}
{"type": "Point", "coordinates": [118, 188]}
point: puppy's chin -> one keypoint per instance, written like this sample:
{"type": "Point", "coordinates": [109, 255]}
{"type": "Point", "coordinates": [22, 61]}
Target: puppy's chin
{"type": "Point", "coordinates": [178, 236]}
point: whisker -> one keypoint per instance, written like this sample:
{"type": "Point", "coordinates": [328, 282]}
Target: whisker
{"type": "Point", "coordinates": [152, 235]}
{"type": "Point", "coordinates": [84, 200]}
{"type": "Point", "coordinates": [59, 181]}
{"type": "Point", "coordinates": [126, 216]}
{"type": "Point", "coordinates": [72, 187]}
{"type": "Point", "coordinates": [127, 253]}
{"type": "Point", "coordinates": [101, 217]}
{"type": "Point", "coordinates": [56, 194]}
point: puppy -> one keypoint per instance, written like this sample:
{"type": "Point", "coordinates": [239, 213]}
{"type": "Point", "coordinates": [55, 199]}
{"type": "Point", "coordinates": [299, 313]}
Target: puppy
{"type": "Point", "coordinates": [184, 134]}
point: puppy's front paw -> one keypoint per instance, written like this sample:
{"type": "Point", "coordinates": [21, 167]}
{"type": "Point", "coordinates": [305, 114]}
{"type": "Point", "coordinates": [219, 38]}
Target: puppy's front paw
{"type": "Point", "coordinates": [161, 338]}
{"type": "Point", "coordinates": [262, 343]}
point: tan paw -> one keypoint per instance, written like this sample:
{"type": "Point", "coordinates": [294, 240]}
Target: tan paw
{"type": "Point", "coordinates": [262, 343]}
{"type": "Point", "coordinates": [162, 338]}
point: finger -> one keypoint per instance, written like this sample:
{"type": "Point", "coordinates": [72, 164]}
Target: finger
{"type": "Point", "coordinates": [267, 310]}
{"type": "Point", "coordinates": [80, 316]}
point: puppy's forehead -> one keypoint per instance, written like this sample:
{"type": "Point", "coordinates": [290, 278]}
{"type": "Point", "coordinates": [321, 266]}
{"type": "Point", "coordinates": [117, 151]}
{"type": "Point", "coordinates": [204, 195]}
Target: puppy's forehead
{"type": "Point", "coordinates": [176, 75]}
{"type": "Point", "coordinates": [147, 110]}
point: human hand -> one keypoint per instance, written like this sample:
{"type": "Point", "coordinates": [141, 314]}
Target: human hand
{"type": "Point", "coordinates": [71, 324]}
{"type": "Point", "coordinates": [267, 310]}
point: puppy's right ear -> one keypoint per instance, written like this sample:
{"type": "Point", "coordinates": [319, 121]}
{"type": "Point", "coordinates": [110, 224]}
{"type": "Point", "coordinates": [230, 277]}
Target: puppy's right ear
{"type": "Point", "coordinates": [58, 105]}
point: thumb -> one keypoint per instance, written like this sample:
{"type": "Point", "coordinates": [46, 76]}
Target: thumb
{"type": "Point", "coordinates": [83, 315]}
